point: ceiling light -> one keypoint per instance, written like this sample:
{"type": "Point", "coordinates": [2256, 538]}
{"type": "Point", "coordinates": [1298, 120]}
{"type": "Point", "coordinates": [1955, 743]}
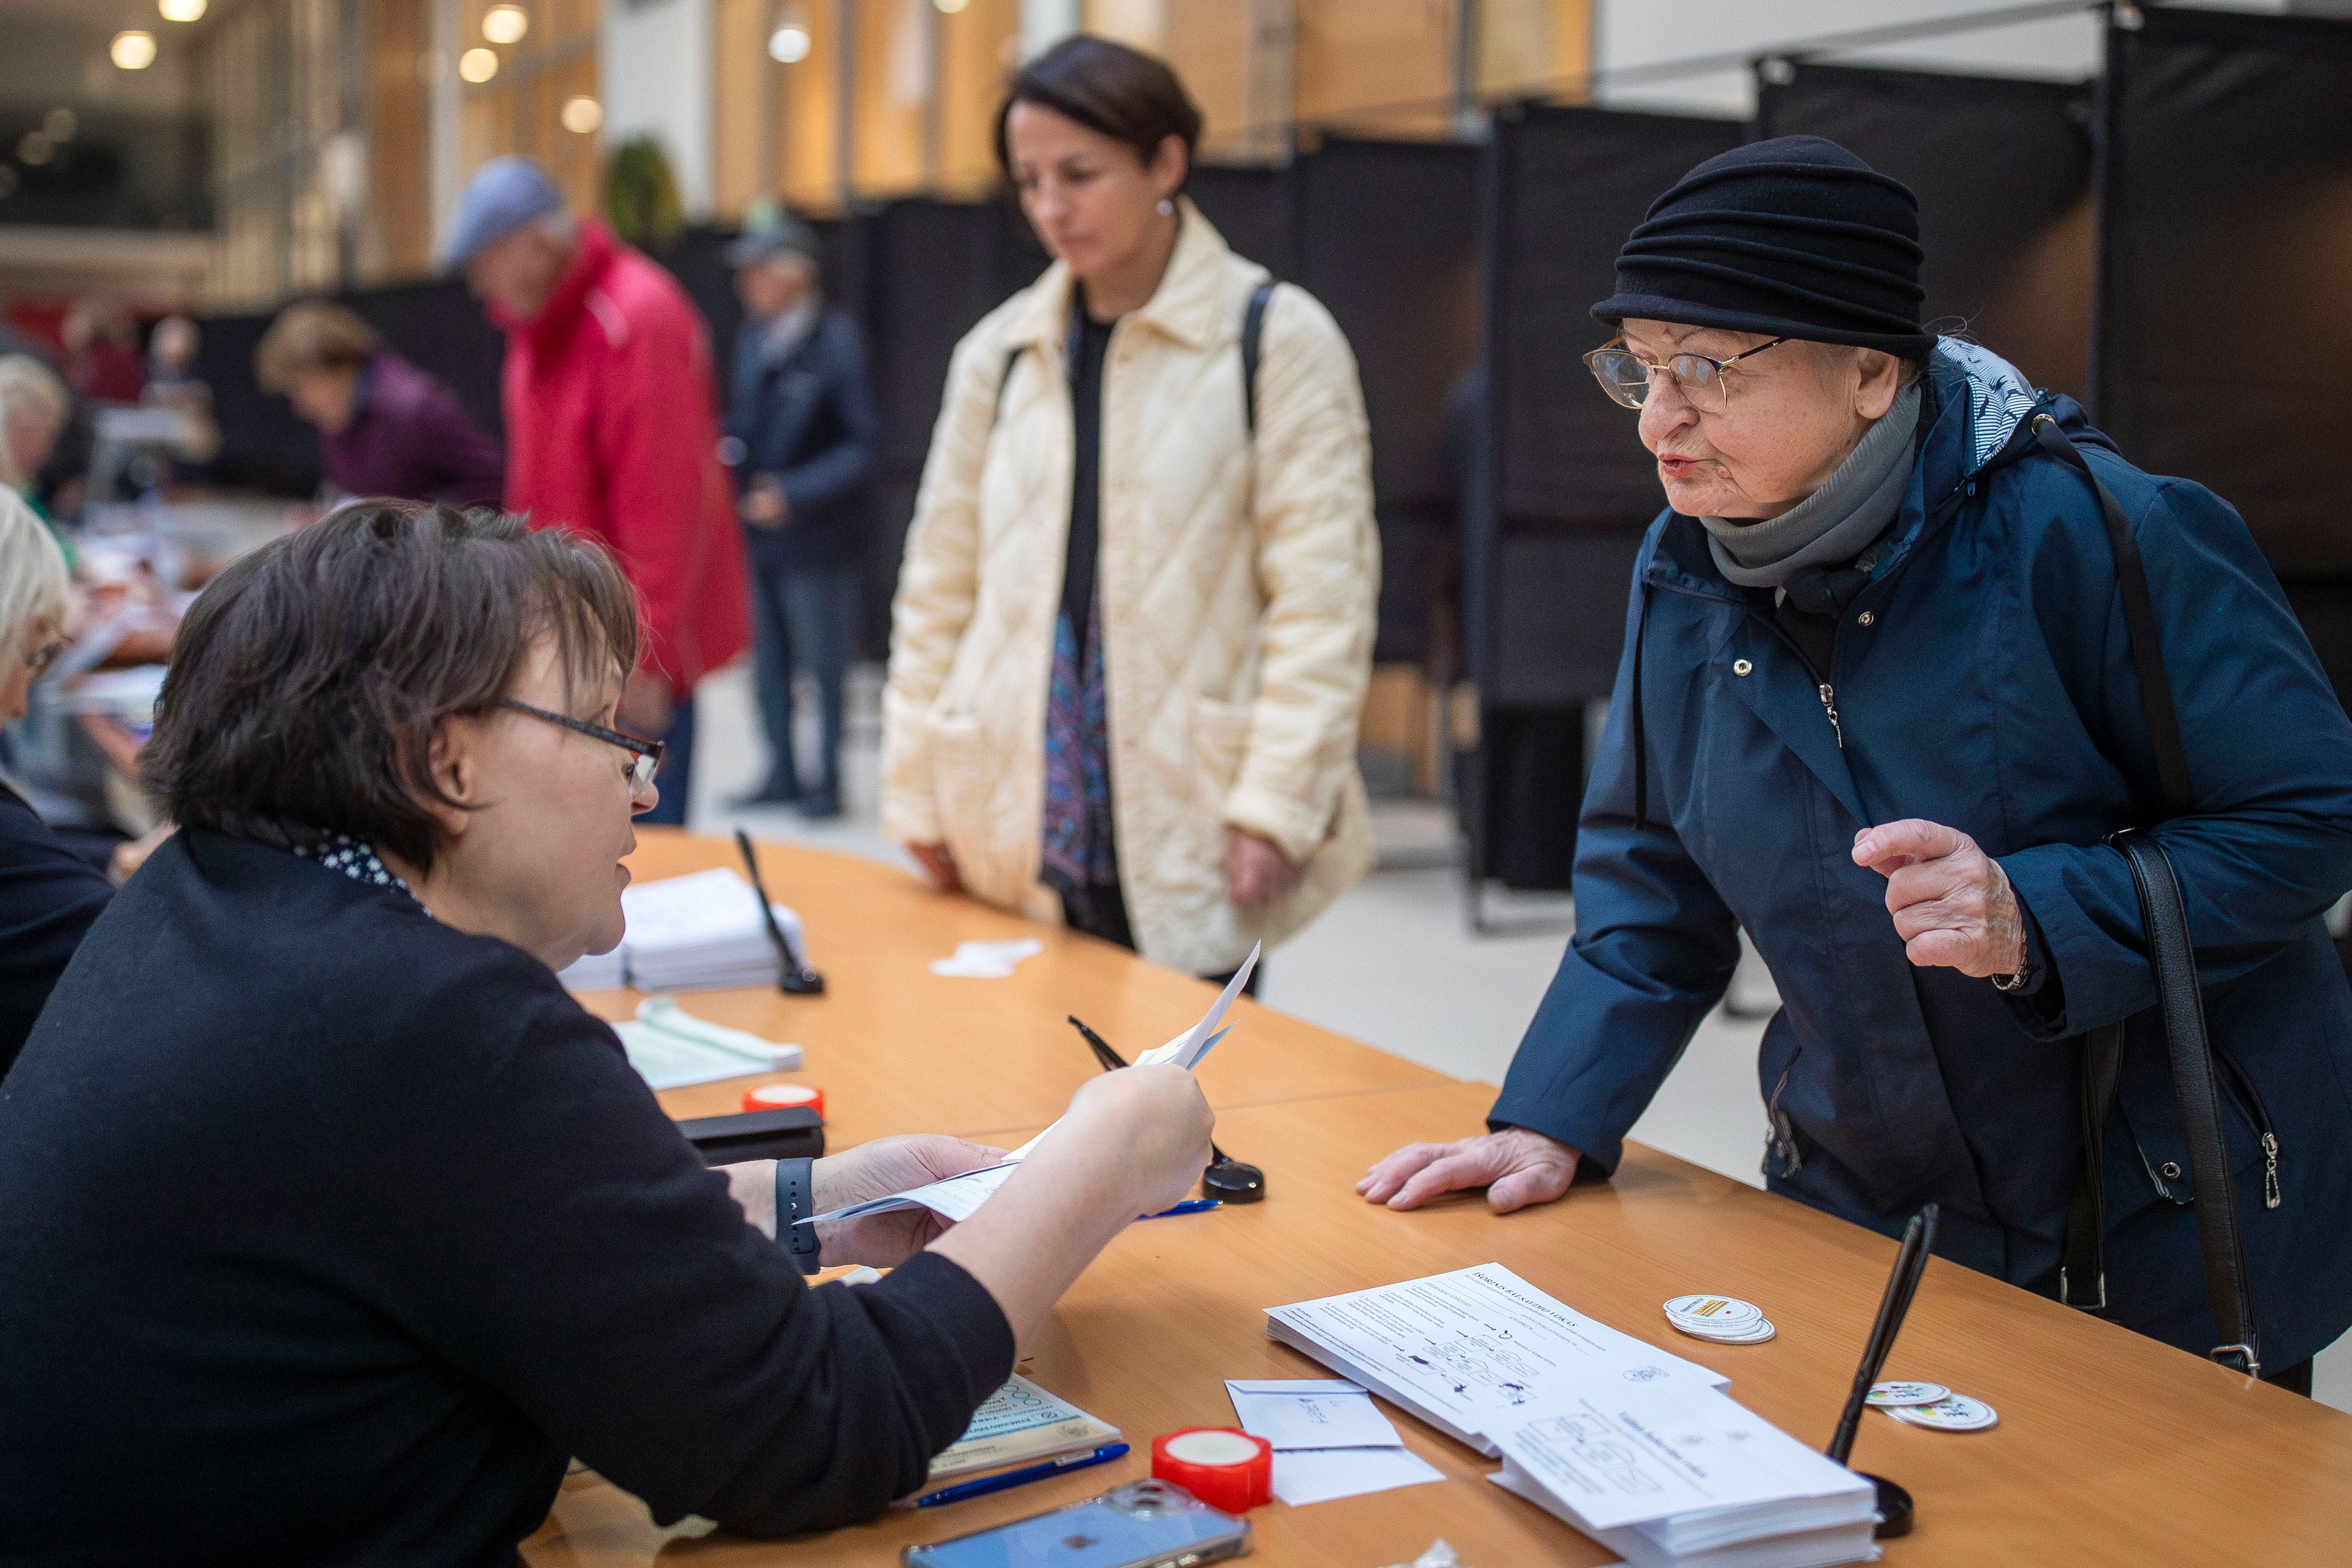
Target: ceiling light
{"type": "Point", "coordinates": [581, 116]}
{"type": "Point", "coordinates": [60, 124]}
{"type": "Point", "coordinates": [949, 7]}
{"type": "Point", "coordinates": [180, 10]}
{"type": "Point", "coordinates": [33, 148]}
{"type": "Point", "coordinates": [505, 24]}
{"type": "Point", "coordinates": [789, 44]}
{"type": "Point", "coordinates": [478, 66]}
{"type": "Point", "coordinates": [132, 51]}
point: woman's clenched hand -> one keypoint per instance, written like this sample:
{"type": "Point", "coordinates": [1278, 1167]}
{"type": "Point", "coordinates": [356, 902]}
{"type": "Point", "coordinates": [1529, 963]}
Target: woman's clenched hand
{"type": "Point", "coordinates": [1952, 903]}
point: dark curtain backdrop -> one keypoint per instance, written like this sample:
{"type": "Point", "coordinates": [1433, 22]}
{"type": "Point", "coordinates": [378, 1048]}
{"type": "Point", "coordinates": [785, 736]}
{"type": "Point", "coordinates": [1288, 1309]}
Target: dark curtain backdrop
{"type": "Point", "coordinates": [2002, 170]}
{"type": "Point", "coordinates": [1388, 240]}
{"type": "Point", "coordinates": [1548, 560]}
{"type": "Point", "coordinates": [2225, 314]}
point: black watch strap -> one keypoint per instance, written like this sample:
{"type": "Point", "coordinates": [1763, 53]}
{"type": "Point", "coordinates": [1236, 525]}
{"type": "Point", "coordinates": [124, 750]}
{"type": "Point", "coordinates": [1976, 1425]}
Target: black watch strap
{"type": "Point", "coordinates": [796, 1200]}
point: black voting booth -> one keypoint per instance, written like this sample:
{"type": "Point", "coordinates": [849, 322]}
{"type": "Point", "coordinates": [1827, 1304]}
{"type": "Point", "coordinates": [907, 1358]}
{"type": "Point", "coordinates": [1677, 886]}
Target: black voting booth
{"type": "Point", "coordinates": [2002, 170]}
{"type": "Point", "coordinates": [2225, 328]}
{"type": "Point", "coordinates": [1567, 488]}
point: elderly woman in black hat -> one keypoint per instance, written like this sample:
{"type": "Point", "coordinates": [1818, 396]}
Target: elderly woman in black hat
{"type": "Point", "coordinates": [1877, 706]}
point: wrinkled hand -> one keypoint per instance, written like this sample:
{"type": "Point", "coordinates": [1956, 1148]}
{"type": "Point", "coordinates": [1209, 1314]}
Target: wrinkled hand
{"type": "Point", "coordinates": [1516, 1166]}
{"type": "Point", "coordinates": [876, 1170]}
{"type": "Point", "coordinates": [1952, 903]}
{"type": "Point", "coordinates": [1256, 873]}
{"type": "Point", "coordinates": [763, 504]}
{"type": "Point", "coordinates": [647, 705]}
{"type": "Point", "coordinates": [1143, 1128]}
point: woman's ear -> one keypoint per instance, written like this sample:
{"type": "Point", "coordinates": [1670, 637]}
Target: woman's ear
{"type": "Point", "coordinates": [1170, 165]}
{"type": "Point", "coordinates": [453, 769]}
{"type": "Point", "coordinates": [1878, 377]}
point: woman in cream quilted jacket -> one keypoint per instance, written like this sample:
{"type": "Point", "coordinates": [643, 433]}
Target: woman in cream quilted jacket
{"type": "Point", "coordinates": [1131, 637]}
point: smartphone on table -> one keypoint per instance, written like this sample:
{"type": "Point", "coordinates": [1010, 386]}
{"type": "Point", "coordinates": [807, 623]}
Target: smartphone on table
{"type": "Point", "coordinates": [1144, 1524]}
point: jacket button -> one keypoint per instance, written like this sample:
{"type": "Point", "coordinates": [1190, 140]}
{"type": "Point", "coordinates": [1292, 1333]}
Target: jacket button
{"type": "Point", "coordinates": [2171, 1171]}
{"type": "Point", "coordinates": [1740, 666]}
{"type": "Point", "coordinates": [1865, 619]}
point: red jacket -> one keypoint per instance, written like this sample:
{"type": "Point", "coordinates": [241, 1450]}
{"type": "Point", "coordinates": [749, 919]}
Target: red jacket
{"type": "Point", "coordinates": [613, 428]}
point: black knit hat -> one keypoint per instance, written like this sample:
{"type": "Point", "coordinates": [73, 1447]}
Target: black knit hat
{"type": "Point", "coordinates": [1794, 237]}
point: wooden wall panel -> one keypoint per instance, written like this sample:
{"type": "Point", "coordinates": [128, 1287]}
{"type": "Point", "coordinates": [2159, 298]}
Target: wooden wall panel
{"type": "Point", "coordinates": [893, 73]}
{"type": "Point", "coordinates": [742, 117]}
{"type": "Point", "coordinates": [980, 45]}
{"type": "Point", "coordinates": [399, 241]}
{"type": "Point", "coordinates": [1384, 66]}
{"type": "Point", "coordinates": [808, 131]}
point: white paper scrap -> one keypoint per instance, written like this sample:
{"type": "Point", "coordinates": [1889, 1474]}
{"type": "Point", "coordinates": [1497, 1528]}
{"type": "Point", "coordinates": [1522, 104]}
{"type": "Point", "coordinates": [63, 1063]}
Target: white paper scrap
{"type": "Point", "coordinates": [1310, 1412]}
{"type": "Point", "coordinates": [671, 1047]}
{"type": "Point", "coordinates": [1319, 1475]}
{"type": "Point", "coordinates": [986, 959]}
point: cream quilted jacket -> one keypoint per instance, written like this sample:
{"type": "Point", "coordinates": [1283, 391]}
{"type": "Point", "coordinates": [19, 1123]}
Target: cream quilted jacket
{"type": "Point", "coordinates": [1237, 581]}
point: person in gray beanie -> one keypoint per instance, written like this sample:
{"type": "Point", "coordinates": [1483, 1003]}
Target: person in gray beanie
{"type": "Point", "coordinates": [1877, 707]}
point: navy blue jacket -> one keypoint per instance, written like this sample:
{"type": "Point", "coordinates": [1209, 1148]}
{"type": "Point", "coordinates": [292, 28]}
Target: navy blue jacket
{"type": "Point", "coordinates": [808, 420]}
{"type": "Point", "coordinates": [1982, 681]}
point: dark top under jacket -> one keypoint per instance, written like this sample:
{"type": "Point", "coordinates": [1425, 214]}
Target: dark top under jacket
{"type": "Point", "coordinates": [329, 1232]}
{"type": "Point", "coordinates": [48, 896]}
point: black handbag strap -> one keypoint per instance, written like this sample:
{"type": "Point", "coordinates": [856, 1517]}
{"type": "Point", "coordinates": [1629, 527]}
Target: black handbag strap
{"type": "Point", "coordinates": [1253, 335]}
{"type": "Point", "coordinates": [2082, 1277]}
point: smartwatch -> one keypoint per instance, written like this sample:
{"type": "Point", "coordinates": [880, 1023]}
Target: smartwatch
{"type": "Point", "coordinates": [795, 1200]}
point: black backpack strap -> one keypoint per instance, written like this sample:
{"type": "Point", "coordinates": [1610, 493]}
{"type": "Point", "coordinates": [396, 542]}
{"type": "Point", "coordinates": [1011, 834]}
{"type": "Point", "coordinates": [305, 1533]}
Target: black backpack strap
{"type": "Point", "coordinates": [1012, 359]}
{"type": "Point", "coordinates": [2082, 1278]}
{"type": "Point", "coordinates": [1252, 333]}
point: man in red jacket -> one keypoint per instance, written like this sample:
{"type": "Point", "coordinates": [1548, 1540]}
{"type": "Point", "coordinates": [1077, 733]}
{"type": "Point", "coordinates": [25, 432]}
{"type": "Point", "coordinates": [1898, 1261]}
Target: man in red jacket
{"type": "Point", "coordinates": [613, 428]}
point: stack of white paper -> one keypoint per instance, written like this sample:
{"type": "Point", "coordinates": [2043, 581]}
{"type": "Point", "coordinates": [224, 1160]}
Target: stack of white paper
{"type": "Point", "coordinates": [698, 933]}
{"type": "Point", "coordinates": [1471, 1352]}
{"type": "Point", "coordinates": [1673, 1474]}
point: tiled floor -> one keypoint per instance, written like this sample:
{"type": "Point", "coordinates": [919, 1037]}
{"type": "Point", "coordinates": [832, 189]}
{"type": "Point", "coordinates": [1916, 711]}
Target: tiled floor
{"type": "Point", "coordinates": [1394, 963]}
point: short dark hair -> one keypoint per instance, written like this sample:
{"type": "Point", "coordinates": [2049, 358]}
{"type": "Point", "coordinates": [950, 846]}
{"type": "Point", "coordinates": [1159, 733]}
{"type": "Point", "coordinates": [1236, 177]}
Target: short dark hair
{"type": "Point", "coordinates": [308, 678]}
{"type": "Point", "coordinates": [1123, 93]}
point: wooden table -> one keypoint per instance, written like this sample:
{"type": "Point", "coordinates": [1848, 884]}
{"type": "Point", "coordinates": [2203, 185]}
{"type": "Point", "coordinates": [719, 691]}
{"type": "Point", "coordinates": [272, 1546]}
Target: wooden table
{"type": "Point", "coordinates": [2111, 1449]}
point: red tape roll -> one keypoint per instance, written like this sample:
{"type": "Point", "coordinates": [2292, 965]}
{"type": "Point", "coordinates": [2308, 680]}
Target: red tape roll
{"type": "Point", "coordinates": [783, 1097]}
{"type": "Point", "coordinates": [1222, 1467]}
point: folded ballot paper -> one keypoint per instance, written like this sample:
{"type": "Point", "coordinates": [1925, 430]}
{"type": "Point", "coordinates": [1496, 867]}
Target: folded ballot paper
{"type": "Point", "coordinates": [960, 1197]}
{"type": "Point", "coordinates": [670, 1047]}
{"type": "Point", "coordinates": [698, 933]}
{"type": "Point", "coordinates": [1635, 1446]}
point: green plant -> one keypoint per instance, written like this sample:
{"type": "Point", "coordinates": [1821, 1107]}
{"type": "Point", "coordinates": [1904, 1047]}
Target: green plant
{"type": "Point", "coordinates": [641, 195]}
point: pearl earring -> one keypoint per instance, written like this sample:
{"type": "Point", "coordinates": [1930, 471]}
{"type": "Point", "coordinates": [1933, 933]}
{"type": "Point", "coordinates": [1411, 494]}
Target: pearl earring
{"type": "Point", "coordinates": [1167, 207]}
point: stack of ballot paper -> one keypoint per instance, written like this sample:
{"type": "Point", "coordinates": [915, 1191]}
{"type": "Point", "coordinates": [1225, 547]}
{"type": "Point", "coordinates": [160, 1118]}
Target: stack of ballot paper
{"type": "Point", "coordinates": [1675, 1475]}
{"type": "Point", "coordinates": [671, 1047]}
{"type": "Point", "coordinates": [1329, 1440]}
{"type": "Point", "coordinates": [960, 1197]}
{"type": "Point", "coordinates": [1021, 1422]}
{"type": "Point", "coordinates": [698, 933]}
{"type": "Point", "coordinates": [1635, 1446]}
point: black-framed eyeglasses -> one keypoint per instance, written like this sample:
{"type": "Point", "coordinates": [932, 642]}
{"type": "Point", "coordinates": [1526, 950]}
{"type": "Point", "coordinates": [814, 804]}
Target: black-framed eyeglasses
{"type": "Point", "coordinates": [648, 753]}
{"type": "Point", "coordinates": [48, 653]}
{"type": "Point", "coordinates": [1628, 378]}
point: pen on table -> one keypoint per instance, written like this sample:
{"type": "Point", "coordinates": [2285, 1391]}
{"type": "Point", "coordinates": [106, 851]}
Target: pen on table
{"type": "Point", "coordinates": [1022, 1477]}
{"type": "Point", "coordinates": [795, 977]}
{"type": "Point", "coordinates": [1191, 1205]}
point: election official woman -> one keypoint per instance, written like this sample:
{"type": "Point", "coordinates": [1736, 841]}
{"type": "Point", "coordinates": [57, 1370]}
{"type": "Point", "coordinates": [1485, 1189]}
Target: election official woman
{"type": "Point", "coordinates": [1134, 626]}
{"type": "Point", "coordinates": [332, 1227]}
{"type": "Point", "coordinates": [1877, 708]}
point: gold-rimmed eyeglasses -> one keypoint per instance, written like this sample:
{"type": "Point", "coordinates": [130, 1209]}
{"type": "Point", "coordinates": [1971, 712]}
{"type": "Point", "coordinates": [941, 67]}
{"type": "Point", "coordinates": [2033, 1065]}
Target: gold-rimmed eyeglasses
{"type": "Point", "coordinates": [1628, 378]}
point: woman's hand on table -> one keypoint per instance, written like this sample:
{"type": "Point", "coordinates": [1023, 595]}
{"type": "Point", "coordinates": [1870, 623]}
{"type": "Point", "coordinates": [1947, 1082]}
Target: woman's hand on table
{"type": "Point", "coordinates": [938, 866]}
{"type": "Point", "coordinates": [1516, 1166]}
{"type": "Point", "coordinates": [876, 1170]}
{"type": "Point", "coordinates": [1952, 903]}
{"type": "Point", "coordinates": [1256, 873]}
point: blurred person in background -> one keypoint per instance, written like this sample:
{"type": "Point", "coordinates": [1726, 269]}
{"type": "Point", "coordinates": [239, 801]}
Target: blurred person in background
{"type": "Point", "coordinates": [385, 427]}
{"type": "Point", "coordinates": [49, 894]}
{"type": "Point", "coordinates": [611, 422]}
{"type": "Point", "coordinates": [804, 435]}
{"type": "Point", "coordinates": [34, 407]}
{"type": "Point", "coordinates": [1134, 626]}
{"type": "Point", "coordinates": [173, 383]}
{"type": "Point", "coordinates": [102, 360]}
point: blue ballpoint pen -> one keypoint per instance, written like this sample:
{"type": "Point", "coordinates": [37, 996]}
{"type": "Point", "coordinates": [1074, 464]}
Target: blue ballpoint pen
{"type": "Point", "coordinates": [1191, 1205]}
{"type": "Point", "coordinates": [987, 1484]}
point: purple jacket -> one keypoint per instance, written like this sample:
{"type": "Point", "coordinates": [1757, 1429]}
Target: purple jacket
{"type": "Point", "coordinates": [409, 437]}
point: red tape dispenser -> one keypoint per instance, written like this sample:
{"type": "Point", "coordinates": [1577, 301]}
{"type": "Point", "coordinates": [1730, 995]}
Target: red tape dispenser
{"type": "Point", "coordinates": [783, 1097]}
{"type": "Point", "coordinates": [1222, 1467]}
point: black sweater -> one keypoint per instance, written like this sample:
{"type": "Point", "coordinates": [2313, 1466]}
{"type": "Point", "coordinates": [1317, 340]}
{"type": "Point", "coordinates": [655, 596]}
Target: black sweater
{"type": "Point", "coordinates": [48, 896]}
{"type": "Point", "coordinates": [327, 1232]}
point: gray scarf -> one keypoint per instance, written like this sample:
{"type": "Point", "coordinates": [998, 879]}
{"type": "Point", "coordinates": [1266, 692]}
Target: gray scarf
{"type": "Point", "coordinates": [1837, 521]}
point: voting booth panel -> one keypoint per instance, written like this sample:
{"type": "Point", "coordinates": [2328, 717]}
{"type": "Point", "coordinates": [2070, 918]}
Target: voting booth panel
{"type": "Point", "coordinates": [2225, 317]}
{"type": "Point", "coordinates": [1549, 559]}
{"type": "Point", "coordinates": [2002, 170]}
{"type": "Point", "coordinates": [1254, 208]}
